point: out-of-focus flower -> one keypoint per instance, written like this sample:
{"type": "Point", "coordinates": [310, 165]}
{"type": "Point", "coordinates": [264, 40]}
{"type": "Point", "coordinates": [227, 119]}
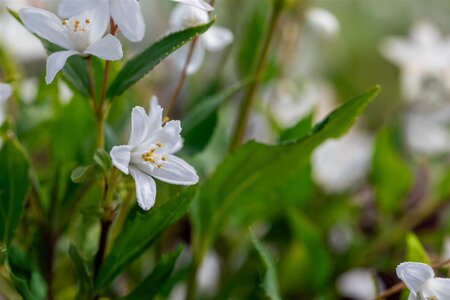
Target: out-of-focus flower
{"type": "Point", "coordinates": [215, 39]}
{"type": "Point", "coordinates": [81, 35]}
{"type": "Point", "coordinates": [421, 281]}
{"type": "Point", "coordinates": [339, 165]}
{"type": "Point", "coordinates": [427, 132]}
{"type": "Point", "coordinates": [424, 62]}
{"type": "Point", "coordinates": [323, 22]}
{"type": "Point", "coordinates": [5, 93]}
{"type": "Point", "coordinates": [358, 284]}
{"type": "Point", "coordinates": [149, 153]}
{"type": "Point", "coordinates": [209, 274]}
{"type": "Point", "coordinates": [197, 3]}
{"type": "Point", "coordinates": [340, 237]}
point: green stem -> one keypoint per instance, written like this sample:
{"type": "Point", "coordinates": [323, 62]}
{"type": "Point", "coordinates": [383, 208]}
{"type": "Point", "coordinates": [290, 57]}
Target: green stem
{"type": "Point", "coordinates": [249, 96]}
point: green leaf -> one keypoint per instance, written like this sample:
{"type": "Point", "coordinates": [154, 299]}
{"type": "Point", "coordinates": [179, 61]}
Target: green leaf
{"type": "Point", "coordinates": [27, 280]}
{"type": "Point", "coordinates": [139, 232]}
{"type": "Point", "coordinates": [74, 71]}
{"type": "Point", "coordinates": [84, 279]}
{"type": "Point", "coordinates": [199, 125]}
{"type": "Point", "coordinates": [102, 158]}
{"type": "Point", "coordinates": [298, 131]}
{"type": "Point", "coordinates": [270, 284]}
{"type": "Point", "coordinates": [141, 64]}
{"type": "Point", "coordinates": [391, 176]}
{"type": "Point", "coordinates": [14, 183]}
{"type": "Point", "coordinates": [255, 173]}
{"type": "Point", "coordinates": [415, 251]}
{"type": "Point", "coordinates": [157, 279]}
{"type": "Point", "coordinates": [83, 173]}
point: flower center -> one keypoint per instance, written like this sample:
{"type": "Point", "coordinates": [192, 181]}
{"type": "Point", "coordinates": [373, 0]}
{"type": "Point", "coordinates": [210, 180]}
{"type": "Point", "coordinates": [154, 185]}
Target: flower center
{"type": "Point", "coordinates": [78, 31]}
{"type": "Point", "coordinates": [153, 158]}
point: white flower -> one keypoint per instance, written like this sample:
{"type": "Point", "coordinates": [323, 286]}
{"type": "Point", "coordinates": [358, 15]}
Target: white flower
{"type": "Point", "coordinates": [81, 35]}
{"type": "Point", "coordinates": [424, 62]}
{"type": "Point", "coordinates": [127, 14]}
{"type": "Point", "coordinates": [339, 165]}
{"type": "Point", "coordinates": [420, 280]}
{"type": "Point", "coordinates": [215, 39]}
{"type": "Point", "coordinates": [5, 93]}
{"type": "Point", "coordinates": [149, 153]}
{"type": "Point", "coordinates": [357, 284]}
{"type": "Point", "coordinates": [323, 22]}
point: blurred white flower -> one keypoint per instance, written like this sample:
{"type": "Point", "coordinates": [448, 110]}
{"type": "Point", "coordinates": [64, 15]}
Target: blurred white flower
{"type": "Point", "coordinates": [427, 132]}
{"type": "Point", "coordinates": [420, 280]}
{"type": "Point", "coordinates": [5, 93]}
{"type": "Point", "coordinates": [358, 284]}
{"type": "Point", "coordinates": [424, 61]}
{"type": "Point", "coordinates": [149, 153]}
{"type": "Point", "coordinates": [215, 39]}
{"type": "Point", "coordinates": [197, 3]}
{"type": "Point", "coordinates": [340, 237]}
{"type": "Point", "coordinates": [323, 22]}
{"type": "Point", "coordinates": [209, 274]}
{"type": "Point", "coordinates": [81, 35]}
{"type": "Point", "coordinates": [339, 165]}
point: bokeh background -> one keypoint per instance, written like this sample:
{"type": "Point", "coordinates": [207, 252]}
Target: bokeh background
{"type": "Point", "coordinates": [362, 203]}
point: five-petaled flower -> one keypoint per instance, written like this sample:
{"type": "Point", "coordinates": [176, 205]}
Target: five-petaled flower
{"type": "Point", "coordinates": [420, 280]}
{"type": "Point", "coordinates": [215, 39]}
{"type": "Point", "coordinates": [149, 153]}
{"type": "Point", "coordinates": [127, 14]}
{"type": "Point", "coordinates": [80, 35]}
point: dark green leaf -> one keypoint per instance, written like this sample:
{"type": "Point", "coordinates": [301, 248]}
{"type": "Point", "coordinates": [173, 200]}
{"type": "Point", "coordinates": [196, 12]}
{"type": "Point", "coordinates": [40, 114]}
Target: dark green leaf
{"type": "Point", "coordinates": [141, 64]}
{"type": "Point", "coordinates": [14, 183]}
{"type": "Point", "coordinates": [199, 124]}
{"type": "Point", "coordinates": [154, 282]}
{"type": "Point", "coordinates": [84, 279]}
{"type": "Point", "coordinates": [391, 176]}
{"type": "Point", "coordinates": [27, 280]}
{"type": "Point", "coordinates": [270, 284]}
{"type": "Point", "coordinates": [139, 232]}
{"type": "Point", "coordinates": [255, 173]}
{"type": "Point", "coordinates": [298, 131]}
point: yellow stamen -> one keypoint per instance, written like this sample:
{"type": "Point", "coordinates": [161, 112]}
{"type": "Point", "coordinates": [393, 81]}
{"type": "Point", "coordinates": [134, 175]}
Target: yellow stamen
{"type": "Point", "coordinates": [166, 119]}
{"type": "Point", "coordinates": [88, 21]}
{"type": "Point", "coordinates": [159, 145]}
{"type": "Point", "coordinates": [164, 158]}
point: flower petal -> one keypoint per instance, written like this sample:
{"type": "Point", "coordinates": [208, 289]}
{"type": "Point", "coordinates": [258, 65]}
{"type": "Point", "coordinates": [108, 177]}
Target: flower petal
{"type": "Point", "coordinates": [440, 287]}
{"type": "Point", "coordinates": [128, 16]}
{"type": "Point", "coordinates": [414, 275]}
{"type": "Point", "coordinates": [412, 297]}
{"type": "Point", "coordinates": [139, 126]}
{"type": "Point", "coordinates": [55, 62]}
{"type": "Point", "coordinates": [154, 115]}
{"type": "Point", "coordinates": [108, 48]}
{"type": "Point", "coordinates": [197, 3]}
{"type": "Point", "coordinates": [217, 38]}
{"type": "Point", "coordinates": [169, 137]}
{"type": "Point", "coordinates": [46, 25]}
{"type": "Point", "coordinates": [176, 171]}
{"type": "Point", "coordinates": [99, 17]}
{"type": "Point", "coordinates": [5, 92]}
{"type": "Point", "coordinates": [70, 8]}
{"type": "Point", "coordinates": [145, 189]}
{"type": "Point", "coordinates": [121, 156]}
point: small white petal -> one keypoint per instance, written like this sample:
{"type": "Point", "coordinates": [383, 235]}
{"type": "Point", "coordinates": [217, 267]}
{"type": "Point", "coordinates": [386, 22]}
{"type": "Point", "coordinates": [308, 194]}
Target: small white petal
{"type": "Point", "coordinates": [145, 189]}
{"type": "Point", "coordinates": [414, 275]}
{"type": "Point", "coordinates": [128, 16]}
{"type": "Point", "coordinates": [440, 287]}
{"type": "Point", "coordinates": [108, 48]}
{"type": "Point", "coordinates": [70, 8]}
{"type": "Point", "coordinates": [46, 25]}
{"type": "Point", "coordinates": [5, 92]}
{"type": "Point", "coordinates": [197, 3]}
{"type": "Point", "coordinates": [139, 126]}
{"type": "Point", "coordinates": [185, 16]}
{"type": "Point", "coordinates": [121, 156]}
{"type": "Point", "coordinates": [176, 171]}
{"type": "Point", "coordinates": [169, 136]}
{"type": "Point", "coordinates": [154, 115]}
{"type": "Point", "coordinates": [56, 62]}
{"type": "Point", "coordinates": [397, 50]}
{"type": "Point", "coordinates": [99, 20]}
{"type": "Point", "coordinates": [217, 38]}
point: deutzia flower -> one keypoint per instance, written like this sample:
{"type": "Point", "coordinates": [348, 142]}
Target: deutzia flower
{"type": "Point", "coordinates": [420, 280]}
{"type": "Point", "coordinates": [81, 35]}
{"type": "Point", "coordinates": [5, 93]}
{"type": "Point", "coordinates": [215, 39]}
{"type": "Point", "coordinates": [149, 153]}
{"type": "Point", "coordinates": [424, 62]}
{"type": "Point", "coordinates": [127, 14]}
